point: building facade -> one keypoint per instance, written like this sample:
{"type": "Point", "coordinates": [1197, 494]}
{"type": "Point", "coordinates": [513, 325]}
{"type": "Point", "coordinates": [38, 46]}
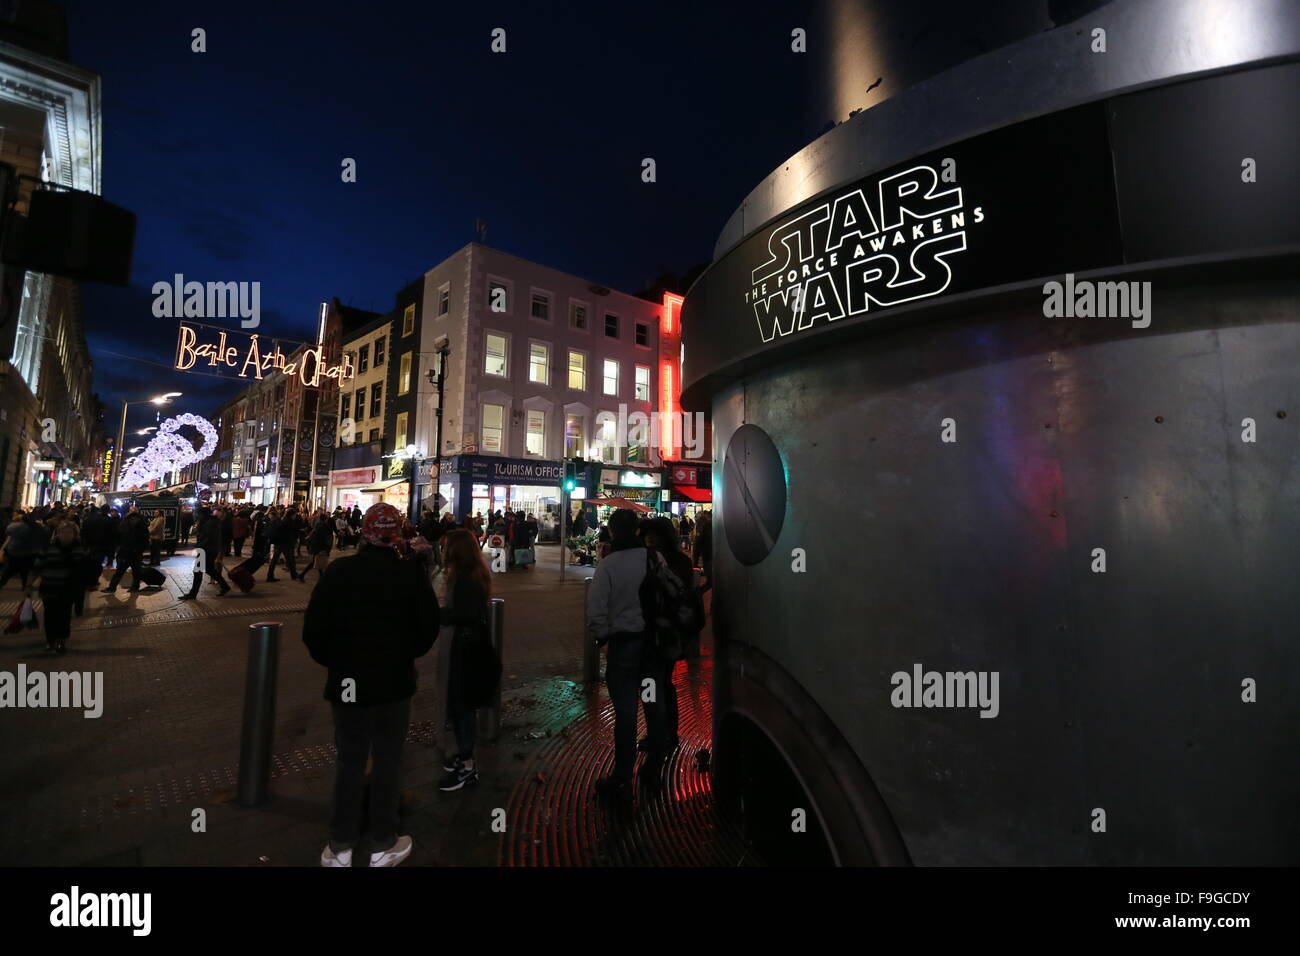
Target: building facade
{"type": "Point", "coordinates": [49, 130]}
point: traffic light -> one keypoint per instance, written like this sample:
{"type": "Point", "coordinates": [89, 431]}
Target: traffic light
{"type": "Point", "coordinates": [569, 483]}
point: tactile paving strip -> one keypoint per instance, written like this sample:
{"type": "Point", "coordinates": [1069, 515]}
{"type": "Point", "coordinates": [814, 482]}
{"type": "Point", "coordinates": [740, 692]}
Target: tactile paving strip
{"type": "Point", "coordinates": [554, 818]}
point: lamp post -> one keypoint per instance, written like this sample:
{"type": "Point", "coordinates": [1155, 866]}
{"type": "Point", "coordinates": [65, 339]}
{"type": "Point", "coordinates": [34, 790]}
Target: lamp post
{"type": "Point", "coordinates": [121, 432]}
{"type": "Point", "coordinates": [443, 347]}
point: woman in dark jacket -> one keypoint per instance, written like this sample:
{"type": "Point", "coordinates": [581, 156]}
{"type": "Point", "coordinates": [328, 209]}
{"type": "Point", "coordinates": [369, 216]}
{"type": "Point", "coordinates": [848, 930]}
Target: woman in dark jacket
{"type": "Point", "coordinates": [61, 578]}
{"type": "Point", "coordinates": [474, 667]}
{"type": "Point", "coordinates": [320, 540]}
{"type": "Point", "coordinates": [660, 535]}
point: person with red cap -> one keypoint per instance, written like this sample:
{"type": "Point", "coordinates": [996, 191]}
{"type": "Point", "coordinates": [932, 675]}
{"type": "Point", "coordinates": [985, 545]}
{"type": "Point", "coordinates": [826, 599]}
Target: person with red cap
{"type": "Point", "coordinates": [371, 615]}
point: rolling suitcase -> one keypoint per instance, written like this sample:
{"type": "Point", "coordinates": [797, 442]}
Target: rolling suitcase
{"type": "Point", "coordinates": [242, 578]}
{"type": "Point", "coordinates": [152, 577]}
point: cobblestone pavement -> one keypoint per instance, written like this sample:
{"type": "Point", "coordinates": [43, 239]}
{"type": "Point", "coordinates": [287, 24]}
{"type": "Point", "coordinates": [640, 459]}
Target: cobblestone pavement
{"type": "Point", "coordinates": [123, 789]}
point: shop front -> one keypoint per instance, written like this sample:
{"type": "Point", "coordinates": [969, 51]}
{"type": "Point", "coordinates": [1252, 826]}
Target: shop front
{"type": "Point", "coordinates": [348, 487]}
{"type": "Point", "coordinates": [691, 490]}
{"type": "Point", "coordinates": [480, 484]}
{"type": "Point", "coordinates": [641, 485]}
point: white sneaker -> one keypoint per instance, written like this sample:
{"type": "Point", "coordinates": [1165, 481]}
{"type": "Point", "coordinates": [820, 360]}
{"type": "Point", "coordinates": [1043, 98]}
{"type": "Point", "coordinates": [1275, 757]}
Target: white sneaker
{"type": "Point", "coordinates": [329, 858]}
{"type": "Point", "coordinates": [394, 855]}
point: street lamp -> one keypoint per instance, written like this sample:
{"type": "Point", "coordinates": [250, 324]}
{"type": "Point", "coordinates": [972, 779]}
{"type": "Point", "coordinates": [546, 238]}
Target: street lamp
{"type": "Point", "coordinates": [145, 431]}
{"type": "Point", "coordinates": [163, 399]}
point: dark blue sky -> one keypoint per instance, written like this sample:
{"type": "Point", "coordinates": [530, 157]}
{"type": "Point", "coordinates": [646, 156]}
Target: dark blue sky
{"type": "Point", "coordinates": [231, 158]}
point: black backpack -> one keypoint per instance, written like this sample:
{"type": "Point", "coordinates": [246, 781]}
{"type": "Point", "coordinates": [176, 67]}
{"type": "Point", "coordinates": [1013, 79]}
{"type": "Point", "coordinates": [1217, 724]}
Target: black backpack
{"type": "Point", "coordinates": [670, 607]}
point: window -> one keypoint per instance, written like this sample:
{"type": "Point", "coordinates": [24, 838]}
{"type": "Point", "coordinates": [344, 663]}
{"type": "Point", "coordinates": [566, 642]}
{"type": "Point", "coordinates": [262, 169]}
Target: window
{"type": "Point", "coordinates": [607, 438]}
{"type": "Point", "coordinates": [399, 440]}
{"type": "Point", "coordinates": [495, 362]}
{"type": "Point", "coordinates": [610, 377]}
{"type": "Point", "coordinates": [376, 400]}
{"type": "Point", "coordinates": [444, 300]}
{"type": "Point", "coordinates": [498, 296]}
{"type": "Point", "coordinates": [541, 307]}
{"type": "Point", "coordinates": [374, 434]}
{"type": "Point", "coordinates": [408, 320]}
{"type": "Point", "coordinates": [539, 363]}
{"type": "Point", "coordinates": [578, 316]}
{"type": "Point", "coordinates": [574, 446]}
{"type": "Point", "coordinates": [535, 442]}
{"type": "Point", "coordinates": [345, 405]}
{"type": "Point", "coordinates": [577, 370]}
{"type": "Point", "coordinates": [642, 335]}
{"type": "Point", "coordinates": [361, 402]}
{"type": "Point", "coordinates": [363, 359]}
{"type": "Point", "coordinates": [642, 383]}
{"type": "Point", "coordinates": [379, 351]}
{"type": "Point", "coordinates": [493, 425]}
{"type": "Point", "coordinates": [404, 374]}
{"type": "Point", "coordinates": [611, 326]}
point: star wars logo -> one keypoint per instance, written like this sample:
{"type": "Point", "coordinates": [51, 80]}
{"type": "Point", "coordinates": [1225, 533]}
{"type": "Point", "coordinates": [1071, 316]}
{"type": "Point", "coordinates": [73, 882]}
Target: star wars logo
{"type": "Point", "coordinates": [865, 249]}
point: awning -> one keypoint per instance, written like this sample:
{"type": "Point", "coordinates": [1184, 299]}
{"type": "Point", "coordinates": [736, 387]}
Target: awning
{"type": "Point", "coordinates": [619, 503]}
{"type": "Point", "coordinates": [693, 494]}
{"type": "Point", "coordinates": [382, 486]}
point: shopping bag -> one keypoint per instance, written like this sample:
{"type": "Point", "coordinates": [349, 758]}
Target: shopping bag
{"type": "Point", "coordinates": [27, 613]}
{"type": "Point", "coordinates": [524, 556]}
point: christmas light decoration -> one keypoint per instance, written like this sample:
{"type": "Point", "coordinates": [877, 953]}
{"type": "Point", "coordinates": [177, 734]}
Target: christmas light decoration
{"type": "Point", "coordinates": [170, 451]}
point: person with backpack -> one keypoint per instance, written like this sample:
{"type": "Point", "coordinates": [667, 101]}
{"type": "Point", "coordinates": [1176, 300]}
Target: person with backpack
{"type": "Point", "coordinates": [60, 578]}
{"type": "Point", "coordinates": [372, 616]}
{"type": "Point", "coordinates": [616, 619]}
{"type": "Point", "coordinates": [474, 668]}
{"type": "Point", "coordinates": [659, 535]}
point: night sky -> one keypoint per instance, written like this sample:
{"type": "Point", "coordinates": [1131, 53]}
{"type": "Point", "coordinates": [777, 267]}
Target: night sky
{"type": "Point", "coordinates": [231, 158]}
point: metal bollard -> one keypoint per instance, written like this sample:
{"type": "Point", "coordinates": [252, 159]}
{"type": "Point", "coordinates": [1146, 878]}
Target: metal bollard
{"type": "Point", "coordinates": [590, 652]}
{"type": "Point", "coordinates": [258, 734]}
{"type": "Point", "coordinates": [496, 634]}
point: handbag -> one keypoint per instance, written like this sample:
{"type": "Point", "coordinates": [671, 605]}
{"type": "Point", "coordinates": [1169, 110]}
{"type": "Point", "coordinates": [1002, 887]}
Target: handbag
{"type": "Point", "coordinates": [27, 614]}
{"type": "Point", "coordinates": [525, 556]}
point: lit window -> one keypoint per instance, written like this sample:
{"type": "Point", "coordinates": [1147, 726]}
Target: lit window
{"type": "Point", "coordinates": [607, 438]}
{"type": "Point", "coordinates": [493, 425]}
{"type": "Point", "coordinates": [539, 363]}
{"type": "Point", "coordinates": [495, 363]}
{"type": "Point", "coordinates": [535, 443]}
{"type": "Point", "coordinates": [642, 383]}
{"type": "Point", "coordinates": [408, 320]}
{"type": "Point", "coordinates": [399, 440]}
{"type": "Point", "coordinates": [541, 308]}
{"type": "Point", "coordinates": [611, 377]}
{"type": "Point", "coordinates": [574, 446]}
{"type": "Point", "coordinates": [578, 371]}
{"type": "Point", "coordinates": [404, 375]}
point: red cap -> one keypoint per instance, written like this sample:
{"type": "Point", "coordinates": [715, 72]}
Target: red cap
{"type": "Point", "coordinates": [382, 525]}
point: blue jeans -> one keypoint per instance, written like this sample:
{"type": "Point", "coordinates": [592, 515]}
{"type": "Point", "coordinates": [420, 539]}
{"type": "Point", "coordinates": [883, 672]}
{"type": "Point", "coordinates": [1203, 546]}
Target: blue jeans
{"type": "Point", "coordinates": [631, 659]}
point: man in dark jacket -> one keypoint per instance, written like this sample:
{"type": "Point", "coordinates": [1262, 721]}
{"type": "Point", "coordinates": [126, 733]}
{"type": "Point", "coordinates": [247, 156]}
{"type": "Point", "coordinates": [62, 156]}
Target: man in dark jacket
{"type": "Point", "coordinates": [209, 539]}
{"type": "Point", "coordinates": [284, 538]}
{"type": "Point", "coordinates": [132, 544]}
{"type": "Point", "coordinates": [368, 620]}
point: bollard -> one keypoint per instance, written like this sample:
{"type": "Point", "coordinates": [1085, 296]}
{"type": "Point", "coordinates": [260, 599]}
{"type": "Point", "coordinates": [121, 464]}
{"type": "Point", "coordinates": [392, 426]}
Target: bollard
{"type": "Point", "coordinates": [496, 634]}
{"type": "Point", "coordinates": [590, 652]}
{"type": "Point", "coordinates": [258, 733]}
